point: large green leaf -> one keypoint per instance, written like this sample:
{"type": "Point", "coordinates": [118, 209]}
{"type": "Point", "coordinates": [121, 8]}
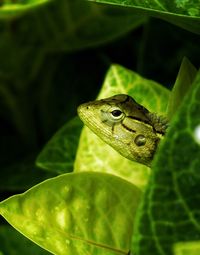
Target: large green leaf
{"type": "Point", "coordinates": [170, 212]}
{"type": "Point", "coordinates": [13, 243]}
{"type": "Point", "coordinates": [183, 13]}
{"type": "Point", "coordinates": [72, 25]}
{"type": "Point", "coordinates": [93, 154]}
{"type": "Point", "coordinates": [77, 213]}
{"type": "Point", "coordinates": [59, 153]}
{"type": "Point", "coordinates": [187, 248]}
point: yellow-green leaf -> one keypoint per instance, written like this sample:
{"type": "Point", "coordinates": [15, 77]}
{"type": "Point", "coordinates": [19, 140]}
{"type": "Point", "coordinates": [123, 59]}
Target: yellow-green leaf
{"type": "Point", "coordinates": [78, 213]}
{"type": "Point", "coordinates": [182, 85]}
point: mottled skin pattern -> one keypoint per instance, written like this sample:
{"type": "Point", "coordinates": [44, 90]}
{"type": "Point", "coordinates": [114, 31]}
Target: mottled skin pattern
{"type": "Point", "coordinates": [125, 125]}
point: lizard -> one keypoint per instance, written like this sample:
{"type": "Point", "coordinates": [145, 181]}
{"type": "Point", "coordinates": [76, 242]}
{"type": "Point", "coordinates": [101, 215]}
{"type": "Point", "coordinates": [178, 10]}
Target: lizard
{"type": "Point", "coordinates": [125, 125]}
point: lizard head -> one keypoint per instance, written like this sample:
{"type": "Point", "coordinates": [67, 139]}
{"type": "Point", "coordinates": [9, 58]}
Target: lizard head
{"type": "Point", "coordinates": [125, 125]}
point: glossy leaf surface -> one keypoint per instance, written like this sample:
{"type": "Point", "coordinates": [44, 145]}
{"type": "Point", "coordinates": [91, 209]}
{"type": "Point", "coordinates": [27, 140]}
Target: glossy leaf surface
{"type": "Point", "coordinates": [81, 213]}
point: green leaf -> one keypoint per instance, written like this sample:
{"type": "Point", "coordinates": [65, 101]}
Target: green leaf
{"type": "Point", "coordinates": [72, 25]}
{"type": "Point", "coordinates": [59, 153]}
{"type": "Point", "coordinates": [93, 154]}
{"type": "Point", "coordinates": [13, 243]}
{"type": "Point", "coordinates": [181, 87]}
{"type": "Point", "coordinates": [169, 212]}
{"type": "Point", "coordinates": [12, 9]}
{"type": "Point", "coordinates": [78, 213]}
{"type": "Point", "coordinates": [17, 89]}
{"type": "Point", "coordinates": [183, 13]}
{"type": "Point", "coordinates": [187, 248]}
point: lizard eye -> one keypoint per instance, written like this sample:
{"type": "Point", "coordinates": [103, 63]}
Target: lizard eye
{"type": "Point", "coordinates": [112, 115]}
{"type": "Point", "coordinates": [117, 114]}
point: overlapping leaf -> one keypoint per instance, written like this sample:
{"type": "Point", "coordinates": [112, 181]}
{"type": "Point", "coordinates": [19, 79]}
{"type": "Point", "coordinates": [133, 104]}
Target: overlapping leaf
{"type": "Point", "coordinates": [183, 13]}
{"type": "Point", "coordinates": [59, 153]}
{"type": "Point", "coordinates": [95, 155]}
{"type": "Point", "coordinates": [78, 213]}
{"type": "Point", "coordinates": [170, 210]}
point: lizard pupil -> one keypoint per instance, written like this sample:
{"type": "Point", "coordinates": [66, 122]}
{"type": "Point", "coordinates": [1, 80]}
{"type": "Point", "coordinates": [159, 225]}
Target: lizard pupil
{"type": "Point", "coordinates": [116, 113]}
